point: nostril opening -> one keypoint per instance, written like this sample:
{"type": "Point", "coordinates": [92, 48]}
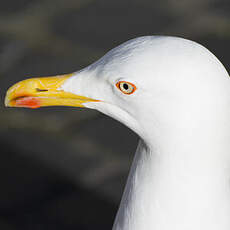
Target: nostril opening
{"type": "Point", "coordinates": [41, 90]}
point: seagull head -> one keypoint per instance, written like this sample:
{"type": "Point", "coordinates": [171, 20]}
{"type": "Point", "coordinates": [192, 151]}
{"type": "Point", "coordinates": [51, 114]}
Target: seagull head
{"type": "Point", "coordinates": [148, 83]}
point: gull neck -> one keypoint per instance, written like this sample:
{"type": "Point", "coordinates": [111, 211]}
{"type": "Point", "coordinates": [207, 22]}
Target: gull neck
{"type": "Point", "coordinates": [187, 188]}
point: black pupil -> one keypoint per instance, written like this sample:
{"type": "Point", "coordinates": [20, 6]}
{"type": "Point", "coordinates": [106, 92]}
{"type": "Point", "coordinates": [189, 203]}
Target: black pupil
{"type": "Point", "coordinates": [125, 86]}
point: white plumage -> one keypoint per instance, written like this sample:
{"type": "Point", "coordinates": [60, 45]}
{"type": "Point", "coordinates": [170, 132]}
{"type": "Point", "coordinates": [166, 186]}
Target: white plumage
{"type": "Point", "coordinates": [180, 177]}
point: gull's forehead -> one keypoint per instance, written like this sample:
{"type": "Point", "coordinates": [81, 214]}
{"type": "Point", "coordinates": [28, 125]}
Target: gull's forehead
{"type": "Point", "coordinates": [127, 55]}
{"type": "Point", "coordinates": [148, 55]}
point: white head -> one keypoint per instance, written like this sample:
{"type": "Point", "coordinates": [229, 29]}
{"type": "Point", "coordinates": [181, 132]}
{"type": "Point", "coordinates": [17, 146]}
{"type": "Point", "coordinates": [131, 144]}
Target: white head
{"type": "Point", "coordinates": [177, 82]}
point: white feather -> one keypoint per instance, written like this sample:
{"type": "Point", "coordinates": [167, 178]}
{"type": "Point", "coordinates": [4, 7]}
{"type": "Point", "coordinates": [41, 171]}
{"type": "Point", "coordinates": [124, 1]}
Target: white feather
{"type": "Point", "coordinates": [179, 179]}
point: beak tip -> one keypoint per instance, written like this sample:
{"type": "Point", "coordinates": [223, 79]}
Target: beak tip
{"type": "Point", "coordinates": [7, 101]}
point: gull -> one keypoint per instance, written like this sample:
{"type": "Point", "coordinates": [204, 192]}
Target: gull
{"type": "Point", "coordinates": [175, 94]}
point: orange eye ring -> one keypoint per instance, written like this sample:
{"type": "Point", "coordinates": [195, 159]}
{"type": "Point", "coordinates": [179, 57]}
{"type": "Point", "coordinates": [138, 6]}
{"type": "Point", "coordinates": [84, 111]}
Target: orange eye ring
{"type": "Point", "coordinates": [126, 87]}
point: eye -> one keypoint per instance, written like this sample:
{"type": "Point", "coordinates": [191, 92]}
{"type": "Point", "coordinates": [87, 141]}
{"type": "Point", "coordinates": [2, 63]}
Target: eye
{"type": "Point", "coordinates": [126, 87]}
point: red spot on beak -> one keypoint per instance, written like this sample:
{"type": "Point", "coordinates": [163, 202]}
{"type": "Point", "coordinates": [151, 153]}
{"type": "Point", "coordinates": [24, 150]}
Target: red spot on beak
{"type": "Point", "coordinates": [28, 102]}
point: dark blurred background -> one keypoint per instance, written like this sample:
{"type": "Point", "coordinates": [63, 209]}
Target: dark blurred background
{"type": "Point", "coordinates": [65, 168]}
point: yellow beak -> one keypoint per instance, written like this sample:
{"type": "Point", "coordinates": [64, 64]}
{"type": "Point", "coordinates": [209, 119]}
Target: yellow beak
{"type": "Point", "coordinates": [45, 91]}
